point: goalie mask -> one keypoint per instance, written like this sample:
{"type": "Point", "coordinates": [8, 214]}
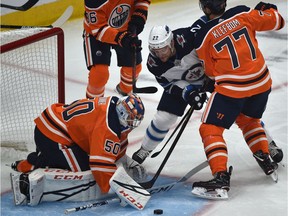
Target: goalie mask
{"type": "Point", "coordinates": [161, 41]}
{"type": "Point", "coordinates": [130, 111]}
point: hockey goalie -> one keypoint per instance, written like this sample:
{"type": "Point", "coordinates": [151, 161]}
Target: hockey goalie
{"type": "Point", "coordinates": [81, 154]}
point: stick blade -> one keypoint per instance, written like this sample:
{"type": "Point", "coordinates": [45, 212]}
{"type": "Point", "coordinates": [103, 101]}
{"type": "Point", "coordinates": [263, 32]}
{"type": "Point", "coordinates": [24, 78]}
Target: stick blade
{"type": "Point", "coordinates": [145, 90]}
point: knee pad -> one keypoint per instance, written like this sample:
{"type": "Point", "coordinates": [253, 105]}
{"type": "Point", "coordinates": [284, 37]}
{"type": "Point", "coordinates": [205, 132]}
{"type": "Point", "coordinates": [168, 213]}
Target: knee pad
{"type": "Point", "coordinates": [158, 129]}
{"type": "Point", "coordinates": [98, 75]}
{"type": "Point", "coordinates": [214, 146]}
{"type": "Point", "coordinates": [164, 120]}
{"type": "Point", "coordinates": [242, 121]}
{"type": "Point", "coordinates": [210, 130]}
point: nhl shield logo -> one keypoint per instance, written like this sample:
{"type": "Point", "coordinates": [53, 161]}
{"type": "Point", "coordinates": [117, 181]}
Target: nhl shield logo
{"type": "Point", "coordinates": [119, 15]}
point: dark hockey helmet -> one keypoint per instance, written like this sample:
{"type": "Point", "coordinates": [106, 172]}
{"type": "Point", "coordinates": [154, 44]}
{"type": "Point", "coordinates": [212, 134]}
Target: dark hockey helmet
{"type": "Point", "coordinates": [130, 110]}
{"type": "Point", "coordinates": [215, 6]}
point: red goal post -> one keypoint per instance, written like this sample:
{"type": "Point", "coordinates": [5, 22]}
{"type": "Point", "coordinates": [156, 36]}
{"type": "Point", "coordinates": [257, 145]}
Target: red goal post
{"type": "Point", "coordinates": [32, 78]}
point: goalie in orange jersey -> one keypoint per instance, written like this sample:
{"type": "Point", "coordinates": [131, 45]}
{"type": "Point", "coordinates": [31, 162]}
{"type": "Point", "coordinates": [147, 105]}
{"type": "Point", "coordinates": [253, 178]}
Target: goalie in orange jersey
{"type": "Point", "coordinates": [114, 25]}
{"type": "Point", "coordinates": [88, 134]}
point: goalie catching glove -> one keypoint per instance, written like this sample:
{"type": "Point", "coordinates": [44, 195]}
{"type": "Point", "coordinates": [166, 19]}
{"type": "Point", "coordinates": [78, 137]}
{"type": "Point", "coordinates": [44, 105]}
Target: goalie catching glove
{"type": "Point", "coordinates": [194, 97]}
{"type": "Point", "coordinates": [134, 169]}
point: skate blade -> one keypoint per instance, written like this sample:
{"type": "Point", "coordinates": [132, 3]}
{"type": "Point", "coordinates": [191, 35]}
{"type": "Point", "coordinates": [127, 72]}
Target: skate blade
{"type": "Point", "coordinates": [217, 194]}
{"type": "Point", "coordinates": [274, 176]}
{"type": "Point", "coordinates": [19, 198]}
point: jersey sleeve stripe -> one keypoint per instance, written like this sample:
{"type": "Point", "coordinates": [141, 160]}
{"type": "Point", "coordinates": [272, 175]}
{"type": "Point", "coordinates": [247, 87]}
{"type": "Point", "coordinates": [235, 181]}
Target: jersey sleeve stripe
{"type": "Point", "coordinates": [53, 131]}
{"type": "Point", "coordinates": [102, 158]}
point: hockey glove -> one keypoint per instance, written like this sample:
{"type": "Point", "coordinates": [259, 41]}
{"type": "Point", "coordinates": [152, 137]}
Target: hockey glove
{"type": "Point", "coordinates": [139, 173]}
{"type": "Point", "coordinates": [194, 97]}
{"type": "Point", "coordinates": [137, 21]}
{"type": "Point", "coordinates": [127, 40]}
{"type": "Point", "coordinates": [265, 6]}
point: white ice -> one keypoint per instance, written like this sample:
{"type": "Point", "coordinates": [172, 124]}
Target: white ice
{"type": "Point", "coordinates": [252, 192]}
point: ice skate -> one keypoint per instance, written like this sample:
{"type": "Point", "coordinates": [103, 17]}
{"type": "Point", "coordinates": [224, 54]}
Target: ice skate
{"type": "Point", "coordinates": [215, 188]}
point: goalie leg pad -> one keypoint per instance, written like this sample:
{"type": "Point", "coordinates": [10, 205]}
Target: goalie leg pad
{"type": "Point", "coordinates": [19, 186]}
{"type": "Point", "coordinates": [64, 185]}
{"type": "Point", "coordinates": [54, 185]}
{"type": "Point", "coordinates": [128, 190]}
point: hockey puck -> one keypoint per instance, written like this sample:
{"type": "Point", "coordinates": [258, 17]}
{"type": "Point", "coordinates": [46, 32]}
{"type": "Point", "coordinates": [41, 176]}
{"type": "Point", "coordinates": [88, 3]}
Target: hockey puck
{"type": "Point", "coordinates": [158, 211]}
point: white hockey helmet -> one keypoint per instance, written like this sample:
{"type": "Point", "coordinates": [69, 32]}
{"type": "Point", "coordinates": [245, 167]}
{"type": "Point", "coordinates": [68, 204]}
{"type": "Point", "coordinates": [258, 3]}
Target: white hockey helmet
{"type": "Point", "coordinates": [159, 37]}
{"type": "Point", "coordinates": [130, 111]}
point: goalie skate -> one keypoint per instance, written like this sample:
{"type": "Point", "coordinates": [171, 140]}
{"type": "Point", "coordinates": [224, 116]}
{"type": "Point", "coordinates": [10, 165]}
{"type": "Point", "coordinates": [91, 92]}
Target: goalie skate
{"type": "Point", "coordinates": [217, 194]}
{"type": "Point", "coordinates": [19, 198]}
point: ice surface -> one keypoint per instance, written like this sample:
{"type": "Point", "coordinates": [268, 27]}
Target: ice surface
{"type": "Point", "coordinates": [252, 193]}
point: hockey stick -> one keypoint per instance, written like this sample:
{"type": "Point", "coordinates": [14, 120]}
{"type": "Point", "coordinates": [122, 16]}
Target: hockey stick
{"type": "Point", "coordinates": [149, 184]}
{"type": "Point", "coordinates": [147, 90]}
{"type": "Point", "coordinates": [167, 187]}
{"type": "Point", "coordinates": [91, 205]}
{"type": "Point", "coordinates": [154, 190]}
{"type": "Point", "coordinates": [177, 127]}
{"type": "Point", "coordinates": [25, 7]}
{"type": "Point", "coordinates": [59, 22]}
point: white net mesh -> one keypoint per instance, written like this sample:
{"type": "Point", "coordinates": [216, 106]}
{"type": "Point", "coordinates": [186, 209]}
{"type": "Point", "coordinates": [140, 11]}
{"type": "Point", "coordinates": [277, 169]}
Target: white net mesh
{"type": "Point", "coordinates": [29, 83]}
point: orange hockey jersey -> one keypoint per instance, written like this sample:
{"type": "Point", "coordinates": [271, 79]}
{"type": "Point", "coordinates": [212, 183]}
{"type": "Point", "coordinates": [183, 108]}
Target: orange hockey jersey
{"type": "Point", "coordinates": [94, 126]}
{"type": "Point", "coordinates": [104, 18]}
{"type": "Point", "coordinates": [228, 48]}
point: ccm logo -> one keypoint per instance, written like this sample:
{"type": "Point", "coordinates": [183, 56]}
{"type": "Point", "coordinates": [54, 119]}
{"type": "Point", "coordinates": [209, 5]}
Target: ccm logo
{"type": "Point", "coordinates": [68, 177]}
{"type": "Point", "coordinates": [131, 199]}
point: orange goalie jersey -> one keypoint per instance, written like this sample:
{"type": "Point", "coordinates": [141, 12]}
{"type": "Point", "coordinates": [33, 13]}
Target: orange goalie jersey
{"type": "Point", "coordinates": [94, 126]}
{"type": "Point", "coordinates": [104, 18]}
{"type": "Point", "coordinates": [229, 50]}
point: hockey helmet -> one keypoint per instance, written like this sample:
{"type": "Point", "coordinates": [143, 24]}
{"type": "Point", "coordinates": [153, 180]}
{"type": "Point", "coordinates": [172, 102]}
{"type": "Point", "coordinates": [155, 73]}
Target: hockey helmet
{"type": "Point", "coordinates": [130, 111]}
{"type": "Point", "coordinates": [159, 37]}
{"type": "Point", "coordinates": [216, 6]}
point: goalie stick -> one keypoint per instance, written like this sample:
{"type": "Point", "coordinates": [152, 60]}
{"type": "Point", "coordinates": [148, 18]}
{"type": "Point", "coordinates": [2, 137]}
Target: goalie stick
{"type": "Point", "coordinates": [24, 7]}
{"type": "Point", "coordinates": [154, 190]}
{"type": "Point", "coordinates": [58, 23]}
{"type": "Point", "coordinates": [149, 184]}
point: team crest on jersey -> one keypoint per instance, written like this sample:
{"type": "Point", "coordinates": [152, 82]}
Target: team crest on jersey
{"type": "Point", "coordinates": [195, 73]}
{"type": "Point", "coordinates": [151, 62]}
{"type": "Point", "coordinates": [119, 15]}
{"type": "Point", "coordinates": [180, 40]}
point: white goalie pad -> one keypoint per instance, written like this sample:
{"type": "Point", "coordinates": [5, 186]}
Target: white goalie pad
{"type": "Point", "coordinates": [128, 190]}
{"type": "Point", "coordinates": [64, 185]}
{"type": "Point", "coordinates": [19, 198]}
{"type": "Point", "coordinates": [217, 194]}
{"type": "Point", "coordinates": [55, 185]}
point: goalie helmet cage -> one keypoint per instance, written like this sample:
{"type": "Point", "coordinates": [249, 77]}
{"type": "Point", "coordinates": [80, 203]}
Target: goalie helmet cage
{"type": "Point", "coordinates": [32, 78]}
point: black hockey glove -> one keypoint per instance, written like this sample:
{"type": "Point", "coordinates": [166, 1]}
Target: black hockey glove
{"type": "Point", "coordinates": [194, 97]}
{"type": "Point", "coordinates": [265, 6]}
{"type": "Point", "coordinates": [137, 21]}
{"type": "Point", "coordinates": [127, 40]}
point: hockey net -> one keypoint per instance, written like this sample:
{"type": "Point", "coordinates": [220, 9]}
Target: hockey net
{"type": "Point", "coordinates": [32, 78]}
